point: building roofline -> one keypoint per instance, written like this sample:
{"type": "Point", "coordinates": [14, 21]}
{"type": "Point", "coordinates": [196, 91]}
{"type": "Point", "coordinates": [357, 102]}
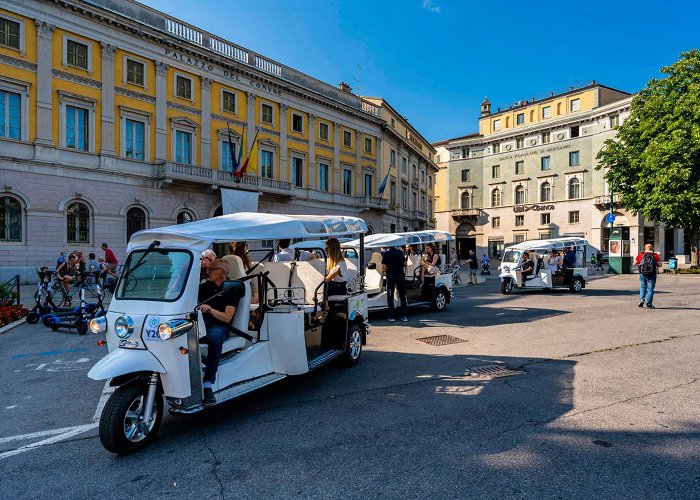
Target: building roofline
{"type": "Point", "coordinates": [413, 129]}
{"type": "Point", "coordinates": [447, 141]}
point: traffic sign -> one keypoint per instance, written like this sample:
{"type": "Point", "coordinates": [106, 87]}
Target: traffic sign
{"type": "Point", "coordinates": [610, 218]}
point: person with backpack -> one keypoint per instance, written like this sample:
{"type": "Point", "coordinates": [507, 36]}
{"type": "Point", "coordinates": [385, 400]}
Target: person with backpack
{"type": "Point", "coordinates": [648, 263]}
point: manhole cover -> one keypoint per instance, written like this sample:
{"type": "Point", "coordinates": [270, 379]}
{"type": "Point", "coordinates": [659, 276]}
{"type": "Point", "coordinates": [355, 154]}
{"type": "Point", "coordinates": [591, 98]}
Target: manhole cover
{"type": "Point", "coordinates": [493, 371]}
{"type": "Point", "coordinates": [439, 340]}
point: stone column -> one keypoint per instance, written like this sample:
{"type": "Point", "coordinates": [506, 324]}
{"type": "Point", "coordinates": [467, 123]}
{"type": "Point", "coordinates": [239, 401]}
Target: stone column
{"type": "Point", "coordinates": [284, 154]}
{"type": "Point", "coordinates": [359, 175]}
{"type": "Point", "coordinates": [206, 122]}
{"type": "Point", "coordinates": [250, 120]}
{"type": "Point", "coordinates": [161, 112]}
{"type": "Point", "coordinates": [680, 241]}
{"type": "Point", "coordinates": [108, 146]}
{"type": "Point", "coordinates": [312, 152]}
{"type": "Point", "coordinates": [337, 177]}
{"type": "Point", "coordinates": [379, 174]}
{"type": "Point", "coordinates": [44, 94]}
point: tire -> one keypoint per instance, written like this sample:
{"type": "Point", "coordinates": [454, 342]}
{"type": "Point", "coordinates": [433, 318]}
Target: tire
{"type": "Point", "coordinates": [82, 326]}
{"type": "Point", "coordinates": [576, 285]}
{"type": "Point", "coordinates": [114, 423]}
{"type": "Point", "coordinates": [33, 318]}
{"type": "Point", "coordinates": [506, 286]}
{"type": "Point", "coordinates": [353, 346]}
{"type": "Point", "coordinates": [440, 300]}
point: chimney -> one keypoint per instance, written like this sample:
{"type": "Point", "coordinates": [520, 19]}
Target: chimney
{"type": "Point", "coordinates": [344, 87]}
{"type": "Point", "coordinates": [485, 107]}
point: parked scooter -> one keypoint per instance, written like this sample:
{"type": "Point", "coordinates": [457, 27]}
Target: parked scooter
{"type": "Point", "coordinates": [78, 317]}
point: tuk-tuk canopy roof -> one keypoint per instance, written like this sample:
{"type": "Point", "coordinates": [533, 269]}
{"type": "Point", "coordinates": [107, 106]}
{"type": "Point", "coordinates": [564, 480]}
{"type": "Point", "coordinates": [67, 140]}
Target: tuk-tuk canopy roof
{"type": "Point", "coordinates": [248, 226]}
{"type": "Point", "coordinates": [379, 240]}
{"type": "Point", "coordinates": [316, 244]}
{"type": "Point", "coordinates": [555, 244]}
{"type": "Point", "coordinates": [433, 236]}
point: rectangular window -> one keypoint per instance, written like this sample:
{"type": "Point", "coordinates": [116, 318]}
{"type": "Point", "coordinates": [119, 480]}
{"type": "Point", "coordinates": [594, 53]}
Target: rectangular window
{"type": "Point", "coordinates": [518, 238]}
{"type": "Point", "coordinates": [77, 128]}
{"type": "Point", "coordinates": [614, 121]}
{"type": "Point", "coordinates": [496, 171]}
{"type": "Point", "coordinates": [414, 170]}
{"type": "Point", "coordinates": [545, 138]}
{"type": "Point", "coordinates": [404, 165]}
{"type": "Point", "coordinates": [368, 184]}
{"type": "Point", "coordinates": [392, 157]}
{"type": "Point", "coordinates": [228, 101]}
{"type": "Point", "coordinates": [77, 54]}
{"type": "Point", "coordinates": [574, 158]}
{"type": "Point", "coordinates": [323, 170]}
{"type": "Point", "coordinates": [297, 123]}
{"type": "Point", "coordinates": [519, 220]}
{"type": "Point", "coordinates": [430, 181]}
{"type": "Point", "coordinates": [393, 123]}
{"type": "Point", "coordinates": [414, 201]}
{"type": "Point", "coordinates": [298, 172]}
{"type": "Point", "coordinates": [519, 143]}
{"type": "Point", "coordinates": [575, 105]}
{"type": "Point", "coordinates": [323, 131]}
{"type": "Point", "coordinates": [575, 131]}
{"type": "Point", "coordinates": [545, 219]}
{"type": "Point", "coordinates": [9, 33]}
{"type": "Point", "coordinates": [404, 197]}
{"type": "Point", "coordinates": [546, 112]}
{"type": "Point", "coordinates": [347, 138]}
{"type": "Point", "coordinates": [392, 193]}
{"type": "Point", "coordinates": [135, 139]}
{"type": "Point", "coordinates": [545, 163]}
{"type": "Point", "coordinates": [368, 145]}
{"type": "Point", "coordinates": [574, 217]}
{"type": "Point", "coordinates": [430, 209]}
{"type": "Point", "coordinates": [347, 181]}
{"type": "Point", "coordinates": [266, 113]}
{"type": "Point", "coordinates": [496, 125]}
{"type": "Point", "coordinates": [10, 115]}
{"type": "Point", "coordinates": [497, 148]}
{"type": "Point", "coordinates": [519, 167]}
{"type": "Point", "coordinates": [183, 147]}
{"type": "Point", "coordinates": [134, 72]}
{"type": "Point", "coordinates": [546, 235]}
{"type": "Point", "coordinates": [520, 118]}
{"type": "Point", "coordinates": [226, 161]}
{"type": "Point", "coordinates": [267, 244]}
{"type": "Point", "coordinates": [496, 222]}
{"type": "Point", "coordinates": [465, 175]}
{"type": "Point", "coordinates": [183, 87]}
{"type": "Point", "coordinates": [266, 164]}
{"type": "Point", "coordinates": [422, 203]}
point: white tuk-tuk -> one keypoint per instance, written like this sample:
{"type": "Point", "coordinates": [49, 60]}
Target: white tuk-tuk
{"type": "Point", "coordinates": [433, 290]}
{"type": "Point", "coordinates": [544, 275]}
{"type": "Point", "coordinates": [153, 327]}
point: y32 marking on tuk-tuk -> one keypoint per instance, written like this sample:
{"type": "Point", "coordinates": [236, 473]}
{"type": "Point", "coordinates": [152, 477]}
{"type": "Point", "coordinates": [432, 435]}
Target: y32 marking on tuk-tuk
{"type": "Point", "coordinates": [151, 331]}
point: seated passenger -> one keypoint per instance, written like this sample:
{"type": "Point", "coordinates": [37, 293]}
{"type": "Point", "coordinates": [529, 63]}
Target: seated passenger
{"type": "Point", "coordinates": [528, 267]}
{"type": "Point", "coordinates": [431, 262]}
{"type": "Point", "coordinates": [336, 269]}
{"type": "Point", "coordinates": [554, 261]}
{"type": "Point", "coordinates": [287, 254]}
{"type": "Point", "coordinates": [208, 257]}
{"type": "Point", "coordinates": [218, 306]}
{"type": "Point", "coordinates": [240, 249]}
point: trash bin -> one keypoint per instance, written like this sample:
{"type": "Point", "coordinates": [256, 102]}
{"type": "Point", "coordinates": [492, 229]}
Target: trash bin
{"type": "Point", "coordinates": [673, 264]}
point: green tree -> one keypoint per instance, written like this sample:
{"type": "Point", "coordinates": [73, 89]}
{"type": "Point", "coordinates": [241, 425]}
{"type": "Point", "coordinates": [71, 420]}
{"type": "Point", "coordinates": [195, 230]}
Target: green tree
{"type": "Point", "coordinates": [654, 161]}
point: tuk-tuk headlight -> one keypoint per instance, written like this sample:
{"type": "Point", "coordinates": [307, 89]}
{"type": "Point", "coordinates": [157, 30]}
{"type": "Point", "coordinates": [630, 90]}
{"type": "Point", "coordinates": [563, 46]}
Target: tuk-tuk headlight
{"type": "Point", "coordinates": [98, 325]}
{"type": "Point", "coordinates": [124, 327]}
{"type": "Point", "coordinates": [174, 328]}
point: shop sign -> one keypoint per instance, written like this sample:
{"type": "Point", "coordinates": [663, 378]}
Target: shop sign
{"type": "Point", "coordinates": [519, 209]}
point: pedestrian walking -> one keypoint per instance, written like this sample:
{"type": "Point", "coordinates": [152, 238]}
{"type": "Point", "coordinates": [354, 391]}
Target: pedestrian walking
{"type": "Point", "coordinates": [648, 263]}
{"type": "Point", "coordinates": [394, 267]}
{"type": "Point", "coordinates": [110, 258]}
{"type": "Point", "coordinates": [599, 259]}
{"type": "Point", "coordinates": [473, 266]}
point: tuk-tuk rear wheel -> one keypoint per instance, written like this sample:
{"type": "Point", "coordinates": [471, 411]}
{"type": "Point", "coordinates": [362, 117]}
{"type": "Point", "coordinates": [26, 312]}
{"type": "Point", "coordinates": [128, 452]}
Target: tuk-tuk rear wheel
{"type": "Point", "coordinates": [122, 430]}
{"type": "Point", "coordinates": [440, 300]}
{"type": "Point", "coordinates": [353, 346]}
{"type": "Point", "coordinates": [577, 285]}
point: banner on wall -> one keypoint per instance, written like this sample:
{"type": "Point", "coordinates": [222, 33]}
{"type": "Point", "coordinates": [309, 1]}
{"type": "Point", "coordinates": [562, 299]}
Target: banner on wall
{"type": "Point", "coordinates": [234, 201]}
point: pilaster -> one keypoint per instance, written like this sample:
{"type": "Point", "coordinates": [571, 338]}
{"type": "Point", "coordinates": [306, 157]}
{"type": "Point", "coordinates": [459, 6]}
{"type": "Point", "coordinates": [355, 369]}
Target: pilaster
{"type": "Point", "coordinates": [312, 152]}
{"type": "Point", "coordinates": [161, 111]}
{"type": "Point", "coordinates": [379, 174]}
{"type": "Point", "coordinates": [284, 153]}
{"type": "Point", "coordinates": [44, 101]}
{"type": "Point", "coordinates": [337, 178]}
{"type": "Point", "coordinates": [108, 147]}
{"type": "Point", "coordinates": [206, 122]}
{"type": "Point", "coordinates": [250, 134]}
{"type": "Point", "coordinates": [359, 174]}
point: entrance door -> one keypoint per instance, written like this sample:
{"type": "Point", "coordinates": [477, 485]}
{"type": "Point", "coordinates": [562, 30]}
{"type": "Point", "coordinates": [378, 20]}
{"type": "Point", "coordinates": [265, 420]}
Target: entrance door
{"type": "Point", "coordinates": [464, 245]}
{"type": "Point", "coordinates": [496, 248]}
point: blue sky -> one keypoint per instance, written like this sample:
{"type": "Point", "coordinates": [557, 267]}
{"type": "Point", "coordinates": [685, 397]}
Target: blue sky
{"type": "Point", "coordinates": [435, 60]}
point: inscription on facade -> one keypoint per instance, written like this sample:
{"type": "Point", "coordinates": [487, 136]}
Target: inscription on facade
{"type": "Point", "coordinates": [536, 152]}
{"type": "Point", "coordinates": [518, 209]}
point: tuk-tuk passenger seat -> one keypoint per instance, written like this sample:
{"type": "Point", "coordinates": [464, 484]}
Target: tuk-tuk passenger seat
{"type": "Point", "coordinates": [240, 318]}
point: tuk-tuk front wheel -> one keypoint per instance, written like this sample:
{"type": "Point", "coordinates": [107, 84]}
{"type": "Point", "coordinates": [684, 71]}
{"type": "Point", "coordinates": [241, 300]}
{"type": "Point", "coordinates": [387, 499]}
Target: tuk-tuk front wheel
{"type": "Point", "coordinates": [122, 429]}
{"type": "Point", "coordinates": [506, 286]}
{"type": "Point", "coordinates": [440, 300]}
{"type": "Point", "coordinates": [353, 345]}
{"type": "Point", "coordinates": [577, 285]}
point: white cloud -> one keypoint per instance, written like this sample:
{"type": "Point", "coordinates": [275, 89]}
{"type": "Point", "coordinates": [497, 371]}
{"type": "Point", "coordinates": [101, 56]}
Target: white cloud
{"type": "Point", "coordinates": [428, 5]}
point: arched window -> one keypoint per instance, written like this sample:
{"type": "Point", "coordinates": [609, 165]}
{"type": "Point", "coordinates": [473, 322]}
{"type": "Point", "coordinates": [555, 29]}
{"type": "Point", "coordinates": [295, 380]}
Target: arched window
{"type": "Point", "coordinates": [135, 221]}
{"type": "Point", "coordinates": [520, 197]}
{"type": "Point", "coordinates": [546, 192]}
{"type": "Point", "coordinates": [496, 198]}
{"type": "Point", "coordinates": [10, 219]}
{"type": "Point", "coordinates": [507, 121]}
{"type": "Point", "coordinates": [466, 201]}
{"type": "Point", "coordinates": [78, 223]}
{"type": "Point", "coordinates": [184, 216]}
{"type": "Point", "coordinates": [574, 189]}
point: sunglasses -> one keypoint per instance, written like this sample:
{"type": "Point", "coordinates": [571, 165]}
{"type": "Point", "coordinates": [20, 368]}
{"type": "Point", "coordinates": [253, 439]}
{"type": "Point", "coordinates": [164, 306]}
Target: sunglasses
{"type": "Point", "coordinates": [219, 268]}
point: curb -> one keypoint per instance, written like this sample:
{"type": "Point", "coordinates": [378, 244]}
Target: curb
{"type": "Point", "coordinates": [10, 326]}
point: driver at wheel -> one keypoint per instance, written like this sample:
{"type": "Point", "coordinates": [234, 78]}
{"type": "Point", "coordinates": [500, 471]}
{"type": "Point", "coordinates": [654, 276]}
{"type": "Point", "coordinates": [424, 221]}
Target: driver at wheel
{"type": "Point", "coordinates": [218, 307]}
{"type": "Point", "coordinates": [528, 266]}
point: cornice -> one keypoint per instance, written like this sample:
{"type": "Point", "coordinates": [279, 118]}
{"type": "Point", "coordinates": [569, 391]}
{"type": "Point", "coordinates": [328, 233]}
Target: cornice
{"type": "Point", "coordinates": [134, 95]}
{"type": "Point", "coordinates": [293, 138]}
{"type": "Point", "coordinates": [226, 119]}
{"type": "Point", "coordinates": [70, 77]}
{"type": "Point", "coordinates": [17, 63]}
{"type": "Point", "coordinates": [184, 109]}
{"type": "Point", "coordinates": [324, 147]}
{"type": "Point", "coordinates": [269, 131]}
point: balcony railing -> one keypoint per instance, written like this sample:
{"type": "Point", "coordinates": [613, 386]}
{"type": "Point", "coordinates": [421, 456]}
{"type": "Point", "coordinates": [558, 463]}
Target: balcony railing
{"type": "Point", "coordinates": [371, 203]}
{"type": "Point", "coordinates": [466, 213]}
{"type": "Point", "coordinates": [370, 108]}
{"type": "Point", "coordinates": [418, 215]}
{"type": "Point", "coordinates": [170, 171]}
{"type": "Point", "coordinates": [605, 199]}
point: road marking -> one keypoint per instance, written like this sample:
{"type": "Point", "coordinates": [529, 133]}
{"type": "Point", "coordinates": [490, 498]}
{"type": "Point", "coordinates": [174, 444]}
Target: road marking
{"type": "Point", "coordinates": [47, 353]}
{"type": "Point", "coordinates": [38, 434]}
{"type": "Point", "coordinates": [106, 393]}
{"type": "Point", "coordinates": [42, 365]}
{"type": "Point", "coordinates": [74, 431]}
{"type": "Point", "coordinates": [10, 407]}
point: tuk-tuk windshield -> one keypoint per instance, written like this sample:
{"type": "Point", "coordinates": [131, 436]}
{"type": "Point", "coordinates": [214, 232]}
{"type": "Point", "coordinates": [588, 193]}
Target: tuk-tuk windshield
{"type": "Point", "coordinates": [511, 257]}
{"type": "Point", "coordinates": [160, 276]}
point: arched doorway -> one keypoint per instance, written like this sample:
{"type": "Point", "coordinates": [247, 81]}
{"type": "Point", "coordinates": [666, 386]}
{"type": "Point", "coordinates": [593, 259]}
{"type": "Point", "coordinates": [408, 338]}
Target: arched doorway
{"type": "Point", "coordinates": [466, 239]}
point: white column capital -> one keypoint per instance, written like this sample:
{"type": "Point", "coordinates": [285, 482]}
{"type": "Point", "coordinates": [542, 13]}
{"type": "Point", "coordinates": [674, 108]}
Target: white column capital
{"type": "Point", "coordinates": [161, 68]}
{"type": "Point", "coordinates": [44, 29]}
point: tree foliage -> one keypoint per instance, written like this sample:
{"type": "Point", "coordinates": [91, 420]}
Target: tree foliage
{"type": "Point", "coordinates": [654, 161]}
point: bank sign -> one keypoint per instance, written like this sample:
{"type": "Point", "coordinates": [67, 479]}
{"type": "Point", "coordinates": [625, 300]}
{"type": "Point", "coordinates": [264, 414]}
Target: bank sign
{"type": "Point", "coordinates": [519, 209]}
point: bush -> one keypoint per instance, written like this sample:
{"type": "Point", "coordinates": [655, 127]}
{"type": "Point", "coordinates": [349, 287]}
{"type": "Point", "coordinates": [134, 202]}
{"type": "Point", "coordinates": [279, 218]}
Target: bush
{"type": "Point", "coordinates": [10, 313]}
{"type": "Point", "coordinates": [689, 270]}
{"type": "Point", "coordinates": [7, 294]}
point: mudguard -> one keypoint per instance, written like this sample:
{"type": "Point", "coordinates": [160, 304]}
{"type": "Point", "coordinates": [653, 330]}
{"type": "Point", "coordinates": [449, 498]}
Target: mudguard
{"type": "Point", "coordinates": [125, 361]}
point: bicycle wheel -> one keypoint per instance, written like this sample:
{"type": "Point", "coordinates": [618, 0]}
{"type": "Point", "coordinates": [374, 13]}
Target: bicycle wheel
{"type": "Point", "coordinates": [58, 294]}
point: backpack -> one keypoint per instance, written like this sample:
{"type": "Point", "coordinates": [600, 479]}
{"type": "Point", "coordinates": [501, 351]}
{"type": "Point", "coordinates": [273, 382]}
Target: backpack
{"type": "Point", "coordinates": [647, 266]}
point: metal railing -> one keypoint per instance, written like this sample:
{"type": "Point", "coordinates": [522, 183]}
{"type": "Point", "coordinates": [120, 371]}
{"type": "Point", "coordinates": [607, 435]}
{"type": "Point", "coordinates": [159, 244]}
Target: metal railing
{"type": "Point", "coordinates": [9, 291]}
{"type": "Point", "coordinates": [371, 202]}
{"type": "Point", "coordinates": [268, 66]}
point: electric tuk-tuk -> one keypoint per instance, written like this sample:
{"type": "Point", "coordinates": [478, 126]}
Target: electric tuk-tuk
{"type": "Point", "coordinates": [544, 276]}
{"type": "Point", "coordinates": [153, 326]}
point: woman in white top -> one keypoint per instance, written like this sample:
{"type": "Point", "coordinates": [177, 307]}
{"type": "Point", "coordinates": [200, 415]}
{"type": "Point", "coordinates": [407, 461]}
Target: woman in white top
{"type": "Point", "coordinates": [336, 268]}
{"type": "Point", "coordinates": [554, 261]}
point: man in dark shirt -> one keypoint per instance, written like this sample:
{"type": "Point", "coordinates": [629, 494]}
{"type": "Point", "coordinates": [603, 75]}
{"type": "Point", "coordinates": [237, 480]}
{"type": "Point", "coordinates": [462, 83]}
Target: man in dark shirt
{"type": "Point", "coordinates": [528, 266]}
{"type": "Point", "coordinates": [394, 263]}
{"type": "Point", "coordinates": [569, 264]}
{"type": "Point", "coordinates": [218, 307]}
